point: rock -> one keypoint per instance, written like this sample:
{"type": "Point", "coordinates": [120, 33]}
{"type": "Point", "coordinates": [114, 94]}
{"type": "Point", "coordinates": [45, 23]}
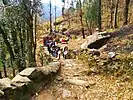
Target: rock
{"type": "Point", "coordinates": [80, 82]}
{"type": "Point", "coordinates": [94, 52]}
{"type": "Point", "coordinates": [66, 93]}
{"type": "Point", "coordinates": [28, 72]}
{"type": "Point", "coordinates": [45, 96]}
{"type": "Point", "coordinates": [111, 54]}
{"type": "Point", "coordinates": [45, 70]}
{"type": "Point", "coordinates": [19, 84]}
{"type": "Point", "coordinates": [68, 65]}
{"type": "Point", "coordinates": [55, 66]}
{"type": "Point", "coordinates": [20, 81]}
{"type": "Point", "coordinates": [1, 93]}
{"type": "Point", "coordinates": [132, 53]}
{"type": "Point", "coordinates": [103, 48]}
{"type": "Point", "coordinates": [84, 45]}
{"type": "Point", "coordinates": [5, 83]}
{"type": "Point", "coordinates": [59, 78]}
{"type": "Point", "coordinates": [63, 29]}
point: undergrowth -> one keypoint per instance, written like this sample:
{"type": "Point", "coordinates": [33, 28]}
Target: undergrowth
{"type": "Point", "coordinates": [120, 67]}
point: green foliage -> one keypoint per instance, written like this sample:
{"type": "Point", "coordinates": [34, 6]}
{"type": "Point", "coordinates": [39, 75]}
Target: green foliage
{"type": "Point", "coordinates": [72, 9]}
{"type": "Point", "coordinates": [110, 30]}
{"type": "Point", "coordinates": [1, 64]}
{"type": "Point", "coordinates": [91, 12]}
{"type": "Point", "coordinates": [5, 2]}
{"type": "Point", "coordinates": [44, 58]}
{"type": "Point", "coordinates": [17, 21]}
{"type": "Point", "coordinates": [74, 37]}
{"type": "Point", "coordinates": [77, 5]}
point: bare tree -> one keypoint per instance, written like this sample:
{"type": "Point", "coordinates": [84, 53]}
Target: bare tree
{"type": "Point", "coordinates": [115, 14]}
{"type": "Point", "coordinates": [81, 19]}
{"type": "Point", "coordinates": [111, 13]}
{"type": "Point", "coordinates": [125, 14]}
{"type": "Point", "coordinates": [99, 15]}
{"type": "Point", "coordinates": [55, 14]}
{"type": "Point", "coordinates": [50, 17]}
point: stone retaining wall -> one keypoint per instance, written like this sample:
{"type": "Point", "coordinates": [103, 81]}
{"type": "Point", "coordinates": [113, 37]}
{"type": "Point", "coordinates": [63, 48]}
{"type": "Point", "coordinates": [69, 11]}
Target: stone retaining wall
{"type": "Point", "coordinates": [27, 82]}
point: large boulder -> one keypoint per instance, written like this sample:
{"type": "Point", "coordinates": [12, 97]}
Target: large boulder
{"type": "Point", "coordinates": [19, 81]}
{"type": "Point", "coordinates": [5, 83]}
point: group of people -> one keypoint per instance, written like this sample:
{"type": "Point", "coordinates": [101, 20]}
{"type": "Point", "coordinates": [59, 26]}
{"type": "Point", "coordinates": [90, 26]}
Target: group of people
{"type": "Point", "coordinates": [53, 48]}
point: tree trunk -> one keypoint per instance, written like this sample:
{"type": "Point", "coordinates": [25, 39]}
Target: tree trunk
{"type": "Point", "coordinates": [126, 12]}
{"type": "Point", "coordinates": [69, 20]}
{"type": "Point", "coordinates": [16, 51]}
{"type": "Point", "coordinates": [89, 29]}
{"type": "Point", "coordinates": [5, 73]}
{"type": "Point", "coordinates": [31, 44]}
{"type": "Point", "coordinates": [3, 62]}
{"type": "Point", "coordinates": [22, 55]}
{"type": "Point", "coordinates": [112, 12]}
{"type": "Point", "coordinates": [35, 39]}
{"type": "Point", "coordinates": [30, 37]}
{"type": "Point", "coordinates": [81, 19]}
{"type": "Point", "coordinates": [63, 8]}
{"type": "Point", "coordinates": [0, 74]}
{"type": "Point", "coordinates": [9, 48]}
{"type": "Point", "coordinates": [99, 15]}
{"type": "Point", "coordinates": [111, 19]}
{"type": "Point", "coordinates": [55, 15]}
{"type": "Point", "coordinates": [50, 17]}
{"type": "Point", "coordinates": [13, 69]}
{"type": "Point", "coordinates": [115, 15]}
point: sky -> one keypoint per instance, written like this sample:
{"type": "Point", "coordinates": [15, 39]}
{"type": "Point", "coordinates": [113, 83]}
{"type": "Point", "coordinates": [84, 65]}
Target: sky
{"type": "Point", "coordinates": [58, 2]}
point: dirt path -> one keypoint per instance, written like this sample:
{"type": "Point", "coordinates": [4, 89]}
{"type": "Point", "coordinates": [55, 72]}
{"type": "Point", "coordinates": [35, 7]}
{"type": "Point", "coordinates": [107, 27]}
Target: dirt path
{"type": "Point", "coordinates": [102, 87]}
{"type": "Point", "coordinates": [61, 90]}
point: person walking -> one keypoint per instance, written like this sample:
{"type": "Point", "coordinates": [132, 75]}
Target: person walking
{"type": "Point", "coordinates": [59, 53]}
{"type": "Point", "coordinates": [65, 52]}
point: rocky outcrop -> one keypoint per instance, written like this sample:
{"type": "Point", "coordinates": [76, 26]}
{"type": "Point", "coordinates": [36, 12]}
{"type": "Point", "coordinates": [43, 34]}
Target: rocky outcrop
{"type": "Point", "coordinates": [95, 41]}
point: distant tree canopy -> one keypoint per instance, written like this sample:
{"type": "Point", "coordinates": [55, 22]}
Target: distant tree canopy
{"type": "Point", "coordinates": [91, 12]}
